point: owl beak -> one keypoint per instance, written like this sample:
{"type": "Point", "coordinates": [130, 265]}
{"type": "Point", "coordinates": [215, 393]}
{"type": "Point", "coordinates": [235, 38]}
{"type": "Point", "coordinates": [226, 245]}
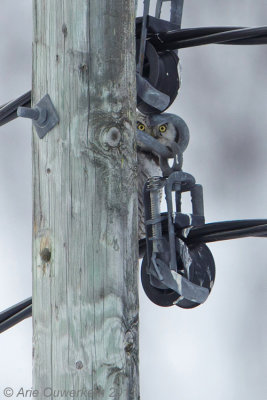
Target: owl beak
{"type": "Point", "coordinates": [154, 135]}
{"type": "Point", "coordinates": [151, 132]}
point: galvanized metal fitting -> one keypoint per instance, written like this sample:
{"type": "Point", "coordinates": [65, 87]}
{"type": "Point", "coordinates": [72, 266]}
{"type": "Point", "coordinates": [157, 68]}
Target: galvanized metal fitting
{"type": "Point", "coordinates": [43, 115]}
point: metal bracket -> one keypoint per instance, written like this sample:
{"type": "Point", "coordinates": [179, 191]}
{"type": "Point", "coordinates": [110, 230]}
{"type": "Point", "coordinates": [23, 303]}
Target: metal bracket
{"type": "Point", "coordinates": [142, 51]}
{"type": "Point", "coordinates": [182, 286]}
{"type": "Point", "coordinates": [44, 115]}
{"type": "Point", "coordinates": [176, 10]}
{"type": "Point", "coordinates": [150, 95]}
{"type": "Point", "coordinates": [172, 272]}
{"type": "Point", "coordinates": [153, 145]}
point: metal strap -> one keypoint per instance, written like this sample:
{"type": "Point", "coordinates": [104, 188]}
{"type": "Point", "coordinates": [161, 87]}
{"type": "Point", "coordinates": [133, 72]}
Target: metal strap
{"type": "Point", "coordinates": [176, 11]}
{"type": "Point", "coordinates": [151, 95]}
{"type": "Point", "coordinates": [158, 8]}
{"type": "Point", "coordinates": [139, 68]}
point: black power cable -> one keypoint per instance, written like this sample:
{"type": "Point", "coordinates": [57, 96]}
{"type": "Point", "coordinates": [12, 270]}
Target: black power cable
{"type": "Point", "coordinates": [15, 314]}
{"type": "Point", "coordinates": [184, 38]}
{"type": "Point", "coordinates": [8, 111]}
{"type": "Point", "coordinates": [165, 37]}
{"type": "Point", "coordinates": [212, 232]}
{"type": "Point", "coordinates": [227, 230]}
{"type": "Point", "coordinates": [217, 231]}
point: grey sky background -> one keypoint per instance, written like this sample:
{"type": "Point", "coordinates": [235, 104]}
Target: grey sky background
{"type": "Point", "coordinates": [218, 350]}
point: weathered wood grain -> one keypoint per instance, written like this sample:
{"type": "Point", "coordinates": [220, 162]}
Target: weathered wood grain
{"type": "Point", "coordinates": [85, 298]}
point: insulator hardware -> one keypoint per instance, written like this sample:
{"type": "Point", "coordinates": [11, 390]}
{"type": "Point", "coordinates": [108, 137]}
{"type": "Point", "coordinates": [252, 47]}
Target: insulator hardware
{"type": "Point", "coordinates": [172, 272]}
{"type": "Point", "coordinates": [157, 76]}
{"type": "Point", "coordinates": [160, 72]}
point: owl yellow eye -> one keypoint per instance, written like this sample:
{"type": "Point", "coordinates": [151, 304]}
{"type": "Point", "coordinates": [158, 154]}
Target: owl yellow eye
{"type": "Point", "coordinates": [140, 126]}
{"type": "Point", "coordinates": [163, 128]}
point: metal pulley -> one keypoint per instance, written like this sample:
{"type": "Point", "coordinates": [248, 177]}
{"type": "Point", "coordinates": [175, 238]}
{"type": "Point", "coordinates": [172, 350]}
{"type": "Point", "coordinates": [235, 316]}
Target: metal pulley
{"type": "Point", "coordinates": [179, 287]}
{"type": "Point", "coordinates": [160, 71]}
{"type": "Point", "coordinates": [156, 71]}
{"type": "Point", "coordinates": [173, 272]}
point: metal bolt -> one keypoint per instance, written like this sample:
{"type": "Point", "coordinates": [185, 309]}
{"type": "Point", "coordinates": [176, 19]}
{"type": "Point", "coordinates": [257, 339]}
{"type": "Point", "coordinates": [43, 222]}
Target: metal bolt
{"type": "Point", "coordinates": [37, 114]}
{"type": "Point", "coordinates": [44, 115]}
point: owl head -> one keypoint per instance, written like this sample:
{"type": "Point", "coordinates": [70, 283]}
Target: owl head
{"type": "Point", "coordinates": [165, 128]}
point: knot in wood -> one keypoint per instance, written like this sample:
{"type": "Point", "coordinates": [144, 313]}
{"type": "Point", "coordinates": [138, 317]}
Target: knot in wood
{"type": "Point", "coordinates": [64, 30]}
{"type": "Point", "coordinates": [79, 365]}
{"type": "Point", "coordinates": [45, 255]}
{"type": "Point", "coordinates": [112, 137]}
{"type": "Point", "coordinates": [129, 342]}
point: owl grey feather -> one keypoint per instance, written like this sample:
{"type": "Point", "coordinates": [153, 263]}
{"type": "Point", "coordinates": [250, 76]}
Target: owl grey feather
{"type": "Point", "coordinates": [165, 128]}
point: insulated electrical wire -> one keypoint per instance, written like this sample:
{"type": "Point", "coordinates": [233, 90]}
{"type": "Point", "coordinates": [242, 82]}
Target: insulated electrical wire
{"type": "Point", "coordinates": [227, 230]}
{"type": "Point", "coordinates": [15, 314]}
{"type": "Point", "coordinates": [8, 111]}
{"type": "Point", "coordinates": [216, 231]}
{"type": "Point", "coordinates": [212, 232]}
{"type": "Point", "coordinates": [171, 40]}
{"type": "Point", "coordinates": [184, 38]}
{"type": "Point", "coordinates": [168, 40]}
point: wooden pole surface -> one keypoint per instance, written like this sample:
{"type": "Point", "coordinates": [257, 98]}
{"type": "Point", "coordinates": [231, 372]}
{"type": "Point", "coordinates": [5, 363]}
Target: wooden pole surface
{"type": "Point", "coordinates": [85, 297]}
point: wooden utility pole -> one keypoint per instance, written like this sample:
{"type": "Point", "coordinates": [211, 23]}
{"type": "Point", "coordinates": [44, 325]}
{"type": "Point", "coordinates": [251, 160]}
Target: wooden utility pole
{"type": "Point", "coordinates": [85, 299]}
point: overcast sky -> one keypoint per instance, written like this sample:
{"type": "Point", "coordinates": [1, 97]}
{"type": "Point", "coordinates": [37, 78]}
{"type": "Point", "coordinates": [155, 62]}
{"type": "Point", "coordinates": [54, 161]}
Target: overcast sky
{"type": "Point", "coordinates": [218, 350]}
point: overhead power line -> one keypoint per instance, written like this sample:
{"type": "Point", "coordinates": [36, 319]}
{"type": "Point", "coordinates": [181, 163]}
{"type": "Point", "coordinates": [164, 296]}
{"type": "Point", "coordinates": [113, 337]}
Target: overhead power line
{"type": "Point", "coordinates": [8, 111]}
{"type": "Point", "coordinates": [15, 314]}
